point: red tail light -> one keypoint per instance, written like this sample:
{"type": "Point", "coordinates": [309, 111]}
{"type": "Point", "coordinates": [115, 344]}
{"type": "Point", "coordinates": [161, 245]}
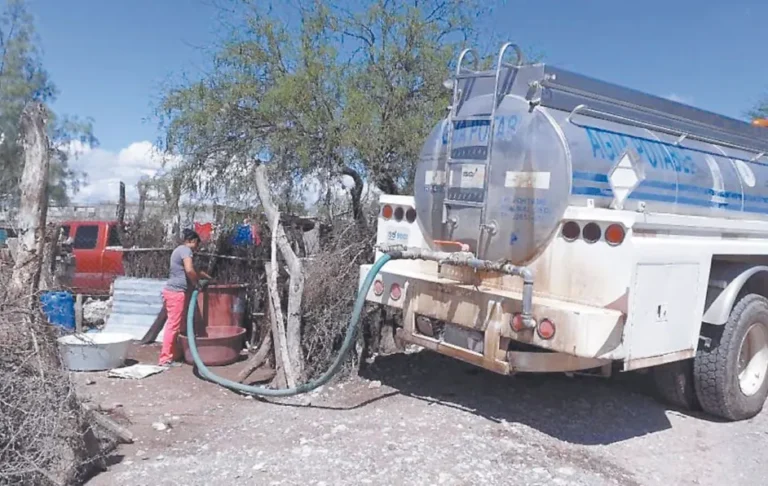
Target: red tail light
{"type": "Point", "coordinates": [378, 288]}
{"type": "Point", "coordinates": [614, 234]}
{"type": "Point", "coordinates": [546, 329]}
{"type": "Point", "coordinates": [517, 323]}
{"type": "Point", "coordinates": [395, 292]}
{"type": "Point", "coordinates": [386, 211]}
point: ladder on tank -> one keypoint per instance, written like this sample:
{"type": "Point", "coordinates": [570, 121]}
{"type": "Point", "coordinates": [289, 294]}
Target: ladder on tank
{"type": "Point", "coordinates": [453, 119]}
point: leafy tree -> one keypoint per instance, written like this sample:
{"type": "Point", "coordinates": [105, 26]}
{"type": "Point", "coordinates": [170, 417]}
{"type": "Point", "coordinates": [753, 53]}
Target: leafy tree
{"type": "Point", "coordinates": [761, 110]}
{"type": "Point", "coordinates": [340, 92]}
{"type": "Point", "coordinates": [23, 79]}
{"type": "Point", "coordinates": [327, 92]}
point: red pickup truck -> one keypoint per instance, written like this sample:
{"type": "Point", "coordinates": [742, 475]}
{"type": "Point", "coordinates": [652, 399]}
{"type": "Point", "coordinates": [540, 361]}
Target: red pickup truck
{"type": "Point", "coordinates": [98, 260]}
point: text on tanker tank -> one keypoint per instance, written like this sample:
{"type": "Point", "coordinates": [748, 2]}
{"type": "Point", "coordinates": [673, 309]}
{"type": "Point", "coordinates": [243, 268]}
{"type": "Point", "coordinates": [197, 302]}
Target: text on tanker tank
{"type": "Point", "coordinates": [475, 132]}
{"type": "Point", "coordinates": [610, 145]}
{"type": "Point", "coordinates": [526, 208]}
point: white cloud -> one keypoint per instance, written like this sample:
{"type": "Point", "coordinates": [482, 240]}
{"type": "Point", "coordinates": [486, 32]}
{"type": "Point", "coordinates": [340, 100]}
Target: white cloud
{"type": "Point", "coordinates": [688, 100]}
{"type": "Point", "coordinates": [105, 169]}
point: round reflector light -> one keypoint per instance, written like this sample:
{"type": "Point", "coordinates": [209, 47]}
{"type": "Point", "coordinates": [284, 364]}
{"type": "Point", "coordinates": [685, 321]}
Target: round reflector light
{"type": "Point", "coordinates": [591, 232]}
{"type": "Point", "coordinates": [614, 234]}
{"type": "Point", "coordinates": [546, 329]}
{"type": "Point", "coordinates": [517, 323]}
{"type": "Point", "coordinates": [378, 288]}
{"type": "Point", "coordinates": [386, 211]}
{"type": "Point", "coordinates": [395, 292]}
{"type": "Point", "coordinates": [410, 215]}
{"type": "Point", "coordinates": [399, 213]}
{"type": "Point", "coordinates": [571, 230]}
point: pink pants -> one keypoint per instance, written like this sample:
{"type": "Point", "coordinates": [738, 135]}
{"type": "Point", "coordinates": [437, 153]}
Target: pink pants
{"type": "Point", "coordinates": [175, 303]}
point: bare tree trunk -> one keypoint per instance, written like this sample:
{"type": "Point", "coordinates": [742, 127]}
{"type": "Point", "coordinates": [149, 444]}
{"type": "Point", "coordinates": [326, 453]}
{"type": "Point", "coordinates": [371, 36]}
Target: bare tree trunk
{"type": "Point", "coordinates": [143, 188]}
{"type": "Point", "coordinates": [221, 242]}
{"type": "Point", "coordinates": [282, 354]}
{"type": "Point", "coordinates": [259, 358]}
{"type": "Point", "coordinates": [329, 203]}
{"type": "Point", "coordinates": [295, 270]}
{"type": "Point", "coordinates": [121, 214]}
{"type": "Point", "coordinates": [76, 442]}
{"type": "Point", "coordinates": [48, 273]}
{"type": "Point", "coordinates": [175, 212]}
{"type": "Point", "coordinates": [357, 195]}
{"type": "Point", "coordinates": [175, 207]}
{"type": "Point", "coordinates": [285, 371]}
{"type": "Point", "coordinates": [34, 203]}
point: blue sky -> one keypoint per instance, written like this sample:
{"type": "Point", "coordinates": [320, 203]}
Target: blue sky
{"type": "Point", "coordinates": [111, 58]}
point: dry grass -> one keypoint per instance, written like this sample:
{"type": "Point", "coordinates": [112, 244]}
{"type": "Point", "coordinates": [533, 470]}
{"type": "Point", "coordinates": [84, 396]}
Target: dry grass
{"type": "Point", "coordinates": [330, 290]}
{"type": "Point", "coordinates": [42, 426]}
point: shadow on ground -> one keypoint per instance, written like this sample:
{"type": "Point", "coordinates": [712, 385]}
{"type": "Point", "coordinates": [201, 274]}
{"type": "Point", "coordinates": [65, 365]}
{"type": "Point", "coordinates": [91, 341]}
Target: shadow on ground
{"type": "Point", "coordinates": [580, 410]}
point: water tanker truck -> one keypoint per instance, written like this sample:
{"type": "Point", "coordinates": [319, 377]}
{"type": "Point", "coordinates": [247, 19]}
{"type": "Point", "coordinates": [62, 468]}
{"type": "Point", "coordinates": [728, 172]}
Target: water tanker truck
{"type": "Point", "coordinates": [562, 224]}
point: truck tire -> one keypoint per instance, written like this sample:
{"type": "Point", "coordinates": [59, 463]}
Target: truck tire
{"type": "Point", "coordinates": [674, 384]}
{"type": "Point", "coordinates": [730, 374]}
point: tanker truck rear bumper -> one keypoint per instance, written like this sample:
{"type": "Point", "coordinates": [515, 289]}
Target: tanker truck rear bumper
{"type": "Point", "coordinates": [474, 324]}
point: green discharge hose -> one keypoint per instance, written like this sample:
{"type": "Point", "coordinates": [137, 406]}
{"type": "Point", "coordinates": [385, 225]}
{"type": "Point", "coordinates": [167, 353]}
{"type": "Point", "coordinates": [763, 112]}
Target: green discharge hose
{"type": "Point", "coordinates": [349, 341]}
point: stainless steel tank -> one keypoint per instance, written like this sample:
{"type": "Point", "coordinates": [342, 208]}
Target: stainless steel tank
{"type": "Point", "coordinates": [523, 142]}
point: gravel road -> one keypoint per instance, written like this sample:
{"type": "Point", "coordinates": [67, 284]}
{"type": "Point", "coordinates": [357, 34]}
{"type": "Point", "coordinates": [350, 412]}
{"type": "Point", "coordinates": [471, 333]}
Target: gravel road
{"type": "Point", "coordinates": [424, 419]}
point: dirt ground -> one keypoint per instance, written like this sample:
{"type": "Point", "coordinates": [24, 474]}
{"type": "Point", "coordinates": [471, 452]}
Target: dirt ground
{"type": "Point", "coordinates": [420, 419]}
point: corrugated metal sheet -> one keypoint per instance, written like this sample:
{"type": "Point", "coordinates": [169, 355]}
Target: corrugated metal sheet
{"type": "Point", "coordinates": [136, 302]}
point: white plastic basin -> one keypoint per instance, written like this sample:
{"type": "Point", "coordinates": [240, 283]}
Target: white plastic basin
{"type": "Point", "coordinates": [94, 351]}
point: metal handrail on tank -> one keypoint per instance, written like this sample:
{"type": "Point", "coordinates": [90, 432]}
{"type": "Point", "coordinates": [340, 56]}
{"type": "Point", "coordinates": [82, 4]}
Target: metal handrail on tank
{"type": "Point", "coordinates": [491, 123]}
{"type": "Point", "coordinates": [461, 59]}
{"type": "Point", "coordinates": [456, 91]}
{"type": "Point", "coordinates": [581, 109]}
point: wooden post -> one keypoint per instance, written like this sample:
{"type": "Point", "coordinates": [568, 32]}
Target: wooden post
{"type": "Point", "coordinates": [34, 203]}
{"type": "Point", "coordinates": [121, 214]}
{"type": "Point", "coordinates": [143, 188]}
{"type": "Point", "coordinates": [175, 209]}
{"type": "Point", "coordinates": [79, 313]}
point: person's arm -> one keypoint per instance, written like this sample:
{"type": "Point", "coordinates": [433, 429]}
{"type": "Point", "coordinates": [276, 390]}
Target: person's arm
{"type": "Point", "coordinates": [193, 275]}
{"type": "Point", "coordinates": [189, 269]}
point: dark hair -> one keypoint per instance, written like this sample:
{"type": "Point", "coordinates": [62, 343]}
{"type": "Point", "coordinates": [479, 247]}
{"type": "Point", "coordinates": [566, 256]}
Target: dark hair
{"type": "Point", "coordinates": [190, 235]}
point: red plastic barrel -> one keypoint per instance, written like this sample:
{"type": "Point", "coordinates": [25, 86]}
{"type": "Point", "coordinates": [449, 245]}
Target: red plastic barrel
{"type": "Point", "coordinates": [221, 305]}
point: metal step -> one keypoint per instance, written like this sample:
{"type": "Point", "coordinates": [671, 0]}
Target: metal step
{"type": "Point", "coordinates": [451, 161]}
{"type": "Point", "coordinates": [482, 117]}
{"type": "Point", "coordinates": [463, 204]}
{"type": "Point", "coordinates": [476, 74]}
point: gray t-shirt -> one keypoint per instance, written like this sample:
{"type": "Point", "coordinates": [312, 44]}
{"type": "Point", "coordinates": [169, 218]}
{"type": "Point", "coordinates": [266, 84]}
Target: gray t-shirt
{"type": "Point", "coordinates": [177, 280]}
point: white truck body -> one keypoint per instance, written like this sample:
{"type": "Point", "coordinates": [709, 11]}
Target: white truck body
{"type": "Point", "coordinates": [641, 225]}
{"type": "Point", "coordinates": [641, 303]}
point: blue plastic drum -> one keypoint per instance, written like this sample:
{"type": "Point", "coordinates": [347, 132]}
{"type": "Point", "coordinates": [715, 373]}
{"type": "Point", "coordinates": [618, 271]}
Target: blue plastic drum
{"type": "Point", "coordinates": [59, 308]}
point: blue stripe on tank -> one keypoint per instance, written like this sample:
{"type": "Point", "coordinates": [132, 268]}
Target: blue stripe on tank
{"type": "Point", "coordinates": [643, 193]}
{"type": "Point", "coordinates": [664, 198]}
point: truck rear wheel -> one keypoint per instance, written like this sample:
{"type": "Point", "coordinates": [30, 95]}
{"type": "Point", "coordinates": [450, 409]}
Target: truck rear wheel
{"type": "Point", "coordinates": [730, 374]}
{"type": "Point", "coordinates": [674, 384]}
